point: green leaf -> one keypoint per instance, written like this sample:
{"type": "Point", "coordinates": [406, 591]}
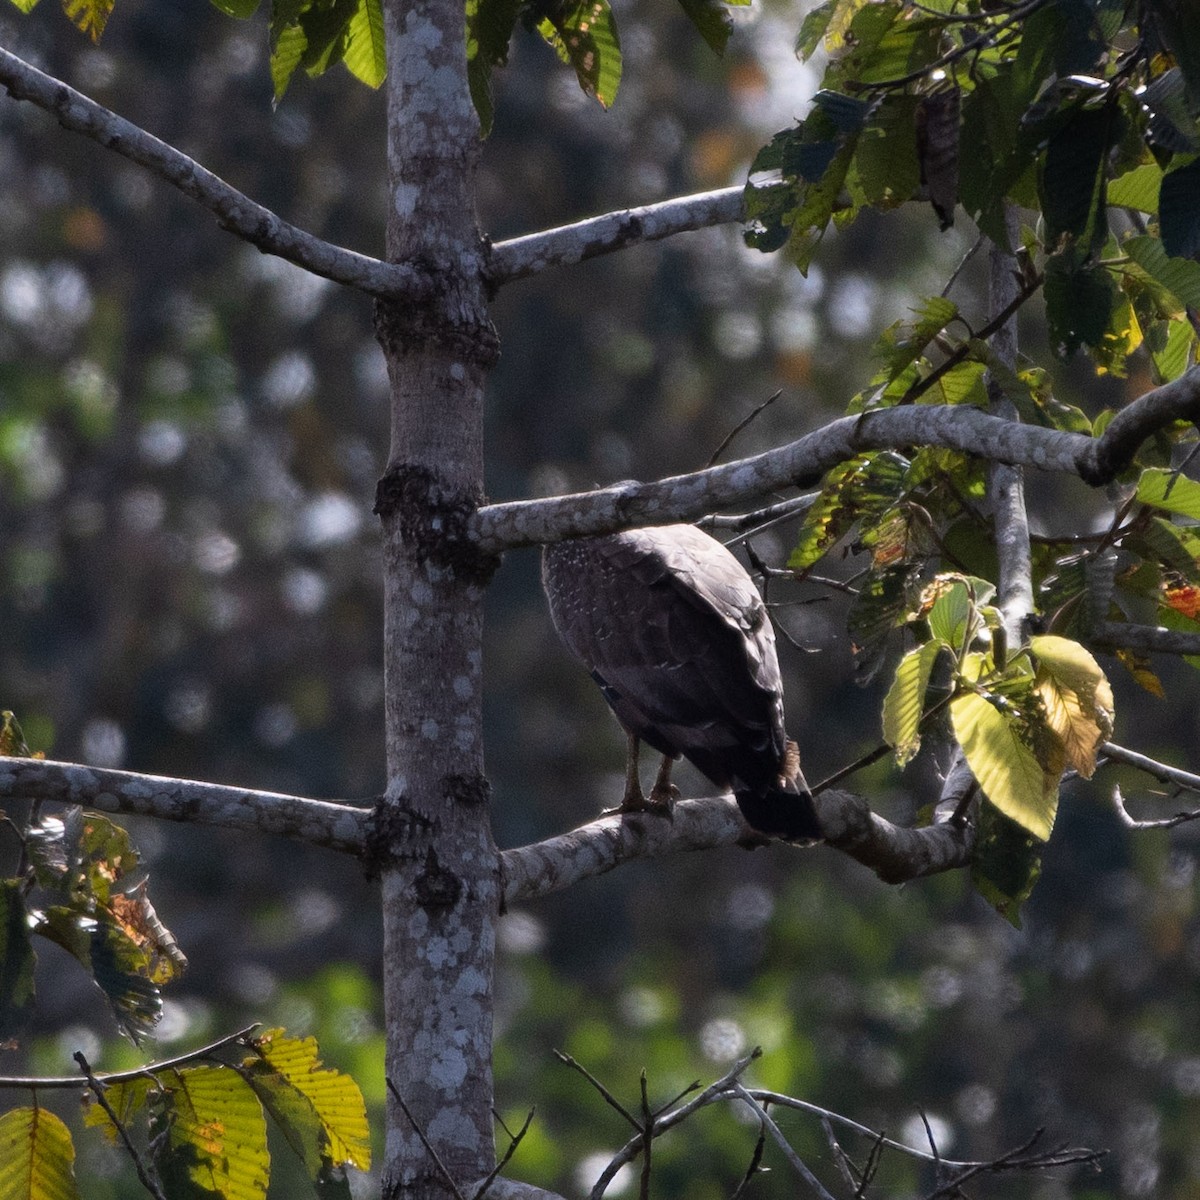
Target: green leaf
{"type": "Point", "coordinates": [1137, 189]}
{"type": "Point", "coordinates": [712, 20]}
{"type": "Point", "coordinates": [37, 1157]}
{"type": "Point", "coordinates": [1170, 491]}
{"type": "Point", "coordinates": [286, 52]}
{"type": "Point", "coordinates": [1005, 766]}
{"type": "Point", "coordinates": [17, 959]}
{"type": "Point", "coordinates": [217, 1138]}
{"type": "Point", "coordinates": [26, 6]}
{"type": "Point", "coordinates": [585, 35]}
{"type": "Point", "coordinates": [122, 968]}
{"type": "Point", "coordinates": [12, 739]}
{"type": "Point", "coordinates": [89, 16]}
{"type": "Point", "coordinates": [950, 613]}
{"type": "Point", "coordinates": [1079, 303]}
{"type": "Point", "coordinates": [1076, 698]}
{"type": "Point", "coordinates": [127, 1099]}
{"type": "Point", "coordinates": [366, 55]}
{"type": "Point", "coordinates": [1179, 276]}
{"type": "Point", "coordinates": [812, 30]}
{"type": "Point", "coordinates": [490, 26]}
{"type": "Point", "coordinates": [334, 1096]}
{"type": "Point", "coordinates": [1006, 864]}
{"type": "Point", "coordinates": [1179, 211]}
{"type": "Point", "coordinates": [1174, 547]}
{"type": "Point", "coordinates": [326, 28]}
{"type": "Point", "coordinates": [904, 704]}
{"type": "Point", "coordinates": [1174, 355]}
{"type": "Point", "coordinates": [1073, 177]}
{"type": "Point", "coordinates": [906, 341]}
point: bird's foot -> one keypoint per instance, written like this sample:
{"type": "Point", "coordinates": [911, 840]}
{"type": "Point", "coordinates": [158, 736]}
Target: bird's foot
{"type": "Point", "coordinates": [659, 802]}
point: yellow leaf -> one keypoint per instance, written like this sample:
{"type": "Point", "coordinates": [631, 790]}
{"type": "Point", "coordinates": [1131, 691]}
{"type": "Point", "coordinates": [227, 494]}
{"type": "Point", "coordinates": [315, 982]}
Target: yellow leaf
{"type": "Point", "coordinates": [1076, 698]}
{"type": "Point", "coordinates": [1007, 769]}
{"type": "Point", "coordinates": [89, 16]}
{"type": "Point", "coordinates": [1138, 665]}
{"type": "Point", "coordinates": [37, 1157]}
{"type": "Point", "coordinates": [218, 1131]}
{"type": "Point", "coordinates": [905, 702]}
{"type": "Point", "coordinates": [335, 1097]}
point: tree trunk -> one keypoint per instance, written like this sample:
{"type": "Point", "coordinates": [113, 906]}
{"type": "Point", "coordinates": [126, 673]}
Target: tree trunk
{"type": "Point", "coordinates": [438, 862]}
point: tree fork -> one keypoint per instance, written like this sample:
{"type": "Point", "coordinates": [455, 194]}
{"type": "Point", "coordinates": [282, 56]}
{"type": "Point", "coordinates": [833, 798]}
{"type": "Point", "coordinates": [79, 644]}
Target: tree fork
{"type": "Point", "coordinates": [440, 882]}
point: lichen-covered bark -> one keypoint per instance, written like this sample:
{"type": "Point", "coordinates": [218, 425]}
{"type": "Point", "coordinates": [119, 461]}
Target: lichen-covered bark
{"type": "Point", "coordinates": [439, 876]}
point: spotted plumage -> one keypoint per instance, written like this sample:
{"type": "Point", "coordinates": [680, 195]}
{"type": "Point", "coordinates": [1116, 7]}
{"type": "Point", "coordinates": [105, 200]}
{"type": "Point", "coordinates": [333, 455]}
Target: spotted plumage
{"type": "Point", "coordinates": [676, 635]}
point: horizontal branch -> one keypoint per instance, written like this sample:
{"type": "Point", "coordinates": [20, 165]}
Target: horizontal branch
{"type": "Point", "coordinates": [327, 823]}
{"type": "Point", "coordinates": [893, 852]}
{"type": "Point", "coordinates": [233, 210]}
{"type": "Point", "coordinates": [521, 257]}
{"type": "Point", "coordinates": [1153, 639]}
{"type": "Point", "coordinates": [801, 463]}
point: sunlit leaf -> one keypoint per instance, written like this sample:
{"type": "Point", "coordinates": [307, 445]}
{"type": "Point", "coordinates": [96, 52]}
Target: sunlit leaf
{"type": "Point", "coordinates": [89, 16]}
{"type": "Point", "coordinates": [1176, 351]}
{"type": "Point", "coordinates": [1076, 697]}
{"type": "Point", "coordinates": [904, 704]}
{"type": "Point", "coordinates": [1137, 189]}
{"type": "Point", "coordinates": [122, 969]}
{"type": "Point", "coordinates": [585, 35]}
{"type": "Point", "coordinates": [37, 1156]}
{"type": "Point", "coordinates": [126, 1098]}
{"type": "Point", "coordinates": [287, 50]}
{"type": "Point", "coordinates": [217, 1134]}
{"type": "Point", "coordinates": [12, 739]}
{"type": "Point", "coordinates": [1178, 275]}
{"type": "Point", "coordinates": [949, 610]}
{"type": "Point", "coordinates": [1006, 767]}
{"type": "Point", "coordinates": [366, 55]}
{"type": "Point", "coordinates": [812, 29]}
{"type": "Point", "coordinates": [17, 959]}
{"type": "Point", "coordinates": [334, 1096]}
{"type": "Point", "coordinates": [1170, 491]}
{"type": "Point", "coordinates": [490, 26]}
{"type": "Point", "coordinates": [1138, 665]}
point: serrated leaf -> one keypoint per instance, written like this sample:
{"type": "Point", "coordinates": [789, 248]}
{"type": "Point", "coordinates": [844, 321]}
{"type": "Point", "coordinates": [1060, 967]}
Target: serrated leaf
{"type": "Point", "coordinates": [950, 612]}
{"type": "Point", "coordinates": [1007, 769]}
{"type": "Point", "coordinates": [287, 50]}
{"type": "Point", "coordinates": [1170, 491]}
{"type": "Point", "coordinates": [17, 959]}
{"type": "Point", "coordinates": [127, 1099]}
{"type": "Point", "coordinates": [1175, 354]}
{"type": "Point", "coordinates": [1006, 864]}
{"type": "Point", "coordinates": [1137, 189]}
{"type": "Point", "coordinates": [122, 970]}
{"type": "Point", "coordinates": [904, 704]}
{"type": "Point", "coordinates": [1180, 276]}
{"type": "Point", "coordinates": [585, 35]}
{"type": "Point", "coordinates": [490, 25]}
{"type": "Point", "coordinates": [217, 1136]}
{"type": "Point", "coordinates": [89, 16]}
{"type": "Point", "coordinates": [334, 1096]}
{"type": "Point", "coordinates": [366, 55]}
{"type": "Point", "coordinates": [37, 1157]}
{"type": "Point", "coordinates": [1076, 697]}
{"type": "Point", "coordinates": [905, 341]}
{"type": "Point", "coordinates": [712, 21]}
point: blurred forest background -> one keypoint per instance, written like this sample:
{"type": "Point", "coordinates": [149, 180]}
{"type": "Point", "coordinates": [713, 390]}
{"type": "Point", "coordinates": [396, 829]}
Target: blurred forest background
{"type": "Point", "coordinates": [190, 435]}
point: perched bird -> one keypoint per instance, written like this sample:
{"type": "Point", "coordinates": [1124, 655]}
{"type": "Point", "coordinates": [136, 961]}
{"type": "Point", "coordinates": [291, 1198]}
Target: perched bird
{"type": "Point", "coordinates": [675, 633]}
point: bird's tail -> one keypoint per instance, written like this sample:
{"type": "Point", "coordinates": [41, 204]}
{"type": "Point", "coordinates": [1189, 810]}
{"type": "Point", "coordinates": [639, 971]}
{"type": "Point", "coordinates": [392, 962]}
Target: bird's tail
{"type": "Point", "coordinates": [785, 810]}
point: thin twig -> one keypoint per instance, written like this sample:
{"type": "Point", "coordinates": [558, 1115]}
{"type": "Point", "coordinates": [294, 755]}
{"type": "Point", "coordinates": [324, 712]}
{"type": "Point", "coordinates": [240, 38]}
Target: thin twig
{"type": "Point", "coordinates": [841, 1159]}
{"type": "Point", "coordinates": [742, 424]}
{"type": "Point", "coordinates": [608, 1097]}
{"type": "Point", "coordinates": [1131, 822]}
{"type": "Point", "coordinates": [97, 1087]}
{"type": "Point", "coordinates": [799, 1165]}
{"type": "Point", "coordinates": [111, 1077]}
{"type": "Point", "coordinates": [433, 1154]}
{"type": "Point", "coordinates": [514, 1140]}
{"type": "Point", "coordinates": [966, 258]}
{"type": "Point", "coordinates": [1161, 771]}
{"type": "Point", "coordinates": [647, 1140]}
{"type": "Point", "coordinates": [760, 518]}
{"type": "Point", "coordinates": [755, 1167]}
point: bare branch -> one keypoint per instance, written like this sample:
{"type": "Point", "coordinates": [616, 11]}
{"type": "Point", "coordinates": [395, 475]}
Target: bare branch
{"type": "Point", "coordinates": [498, 527]}
{"type": "Point", "coordinates": [110, 1077]}
{"type": "Point", "coordinates": [328, 823]}
{"type": "Point", "coordinates": [798, 1164]}
{"type": "Point", "coordinates": [1163, 772]}
{"type": "Point", "coordinates": [569, 244]}
{"type": "Point", "coordinates": [1131, 822]}
{"type": "Point", "coordinates": [233, 210]}
{"type": "Point", "coordinates": [1155, 639]}
{"type": "Point", "coordinates": [147, 1180]}
{"type": "Point", "coordinates": [429, 1149]}
{"type": "Point", "coordinates": [893, 852]}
